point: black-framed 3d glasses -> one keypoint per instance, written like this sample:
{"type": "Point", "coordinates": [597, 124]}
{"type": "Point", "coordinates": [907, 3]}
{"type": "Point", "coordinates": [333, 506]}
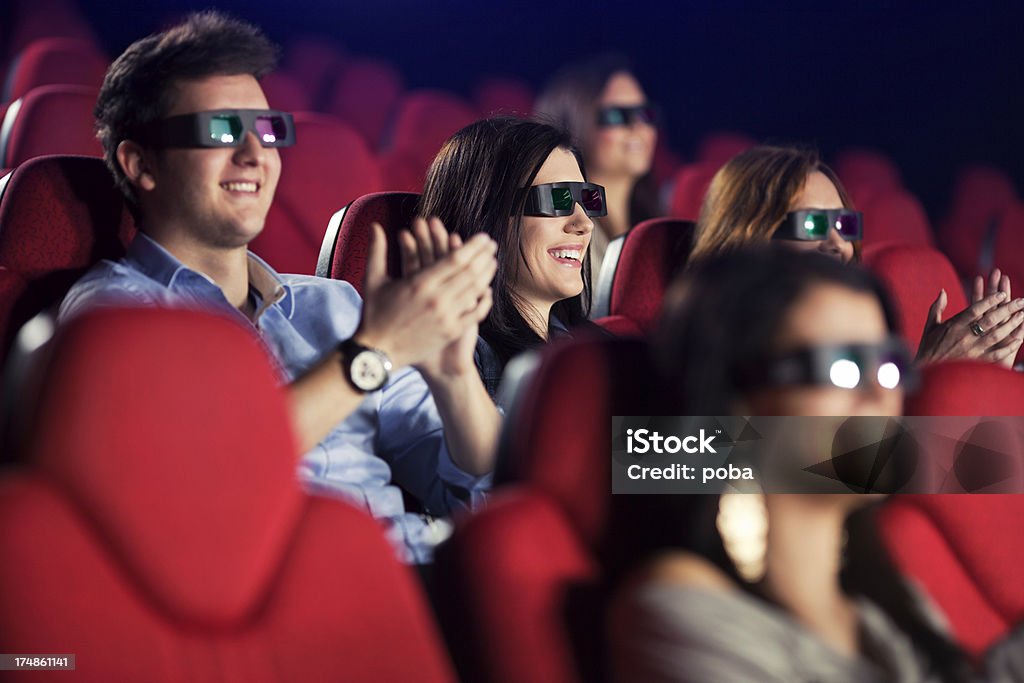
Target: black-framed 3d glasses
{"type": "Point", "coordinates": [560, 199]}
{"type": "Point", "coordinates": [626, 116]}
{"type": "Point", "coordinates": [815, 224]}
{"type": "Point", "coordinates": [221, 128]}
{"type": "Point", "coordinates": [844, 366]}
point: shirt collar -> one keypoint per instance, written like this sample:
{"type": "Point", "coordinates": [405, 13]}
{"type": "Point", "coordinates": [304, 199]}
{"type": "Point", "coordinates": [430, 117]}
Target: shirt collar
{"type": "Point", "coordinates": [161, 265]}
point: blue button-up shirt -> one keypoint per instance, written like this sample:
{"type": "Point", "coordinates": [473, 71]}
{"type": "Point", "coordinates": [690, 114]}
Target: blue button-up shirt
{"type": "Point", "coordinates": [395, 436]}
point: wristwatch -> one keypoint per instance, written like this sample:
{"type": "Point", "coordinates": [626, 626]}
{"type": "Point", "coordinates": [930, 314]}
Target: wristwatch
{"type": "Point", "coordinates": [366, 369]}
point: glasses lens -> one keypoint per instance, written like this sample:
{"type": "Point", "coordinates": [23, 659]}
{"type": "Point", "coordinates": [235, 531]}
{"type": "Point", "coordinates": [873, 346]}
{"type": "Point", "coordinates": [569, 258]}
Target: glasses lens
{"type": "Point", "coordinates": [613, 116]}
{"type": "Point", "coordinates": [270, 129]}
{"type": "Point", "coordinates": [816, 226]}
{"type": "Point", "coordinates": [844, 373]}
{"type": "Point", "coordinates": [646, 115]}
{"type": "Point", "coordinates": [591, 200]}
{"type": "Point", "coordinates": [889, 375]}
{"type": "Point", "coordinates": [561, 199]}
{"type": "Point", "coordinates": [848, 225]}
{"type": "Point", "coordinates": [226, 130]}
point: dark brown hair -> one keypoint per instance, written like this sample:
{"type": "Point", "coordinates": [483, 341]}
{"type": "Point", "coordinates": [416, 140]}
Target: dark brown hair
{"type": "Point", "coordinates": [141, 84]}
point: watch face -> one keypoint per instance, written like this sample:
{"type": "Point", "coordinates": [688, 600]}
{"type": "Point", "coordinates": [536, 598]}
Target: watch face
{"type": "Point", "coordinates": [368, 371]}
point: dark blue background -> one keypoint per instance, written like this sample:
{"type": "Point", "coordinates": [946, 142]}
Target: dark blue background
{"type": "Point", "coordinates": [934, 84]}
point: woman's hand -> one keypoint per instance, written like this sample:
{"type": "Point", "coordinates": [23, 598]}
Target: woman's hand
{"type": "Point", "coordinates": [990, 329]}
{"type": "Point", "coordinates": [426, 243]}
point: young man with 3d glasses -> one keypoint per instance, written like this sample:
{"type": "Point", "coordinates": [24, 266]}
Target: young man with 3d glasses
{"type": "Point", "coordinates": [191, 142]}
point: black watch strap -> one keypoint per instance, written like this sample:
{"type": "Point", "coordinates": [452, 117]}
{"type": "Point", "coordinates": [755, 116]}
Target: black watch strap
{"type": "Point", "coordinates": [366, 369]}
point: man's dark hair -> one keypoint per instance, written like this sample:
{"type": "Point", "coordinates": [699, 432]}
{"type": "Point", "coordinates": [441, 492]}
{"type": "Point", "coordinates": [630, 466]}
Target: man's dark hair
{"type": "Point", "coordinates": [141, 84]}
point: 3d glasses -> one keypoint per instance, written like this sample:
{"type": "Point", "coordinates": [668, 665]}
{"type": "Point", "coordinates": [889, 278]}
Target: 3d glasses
{"type": "Point", "coordinates": [221, 128]}
{"type": "Point", "coordinates": [560, 199]}
{"type": "Point", "coordinates": [845, 366]}
{"type": "Point", "coordinates": [814, 224]}
{"type": "Point", "coordinates": [625, 116]}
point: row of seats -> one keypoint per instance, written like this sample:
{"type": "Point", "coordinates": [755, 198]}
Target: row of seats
{"type": "Point", "coordinates": [231, 574]}
{"type": "Point", "coordinates": [332, 164]}
{"type": "Point", "coordinates": [61, 214]}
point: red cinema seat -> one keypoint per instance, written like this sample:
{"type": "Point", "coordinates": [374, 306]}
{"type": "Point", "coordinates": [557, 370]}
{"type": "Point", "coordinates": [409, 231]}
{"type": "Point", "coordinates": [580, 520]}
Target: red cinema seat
{"type": "Point", "coordinates": [895, 217]}
{"type": "Point", "coordinates": [58, 216]}
{"type": "Point", "coordinates": [865, 172]}
{"type": "Point", "coordinates": [316, 62]}
{"type": "Point", "coordinates": [286, 92]}
{"type": "Point", "coordinates": [53, 119]}
{"type": "Point", "coordinates": [638, 268]}
{"type": "Point", "coordinates": [329, 166]}
{"type": "Point", "coordinates": [520, 581]}
{"type": "Point", "coordinates": [980, 195]}
{"type": "Point", "coordinates": [424, 119]}
{"type": "Point", "coordinates": [689, 186]}
{"type": "Point", "coordinates": [666, 161]}
{"type": "Point", "coordinates": [403, 171]}
{"type": "Point", "coordinates": [55, 61]}
{"type": "Point", "coordinates": [964, 550]}
{"type": "Point", "coordinates": [365, 95]}
{"type": "Point", "coordinates": [346, 244]}
{"type": "Point", "coordinates": [157, 535]}
{"type": "Point", "coordinates": [717, 148]}
{"type": "Point", "coordinates": [503, 95]}
{"type": "Point", "coordinates": [914, 275]}
{"type": "Point", "coordinates": [1009, 243]}
{"type": "Point", "coordinates": [34, 20]}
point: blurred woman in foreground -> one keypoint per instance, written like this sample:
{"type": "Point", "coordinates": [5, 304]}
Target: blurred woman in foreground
{"type": "Point", "coordinates": [779, 587]}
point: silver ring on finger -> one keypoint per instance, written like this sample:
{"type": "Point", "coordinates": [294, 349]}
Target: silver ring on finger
{"type": "Point", "coordinates": [977, 329]}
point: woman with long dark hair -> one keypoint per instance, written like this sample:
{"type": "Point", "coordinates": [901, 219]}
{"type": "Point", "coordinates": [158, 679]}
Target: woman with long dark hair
{"type": "Point", "coordinates": [522, 183]}
{"type": "Point", "coordinates": [754, 586]}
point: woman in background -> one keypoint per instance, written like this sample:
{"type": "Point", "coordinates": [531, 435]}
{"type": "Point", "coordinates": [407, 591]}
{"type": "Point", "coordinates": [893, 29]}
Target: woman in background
{"type": "Point", "coordinates": [790, 197]}
{"type": "Point", "coordinates": [779, 587]}
{"type": "Point", "coordinates": [602, 105]}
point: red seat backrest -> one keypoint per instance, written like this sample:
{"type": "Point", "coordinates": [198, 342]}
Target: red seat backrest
{"type": "Point", "coordinates": [518, 594]}
{"type": "Point", "coordinates": [718, 147]}
{"type": "Point", "coordinates": [34, 20]}
{"type": "Point", "coordinates": [190, 539]}
{"type": "Point", "coordinates": [690, 185]}
{"type": "Point", "coordinates": [914, 275]}
{"type": "Point", "coordinates": [520, 579]}
{"type": "Point", "coordinates": [58, 216]}
{"type": "Point", "coordinates": [1009, 243]}
{"type": "Point", "coordinates": [286, 92]}
{"type": "Point", "coordinates": [980, 195]}
{"type": "Point", "coordinates": [346, 245]}
{"type": "Point", "coordinates": [315, 61]}
{"type": "Point", "coordinates": [503, 95]}
{"type": "Point", "coordinates": [865, 172]}
{"type": "Point", "coordinates": [365, 95]}
{"type": "Point", "coordinates": [425, 119]}
{"type": "Point", "coordinates": [329, 166]}
{"type": "Point", "coordinates": [895, 217]}
{"type": "Point", "coordinates": [558, 428]}
{"type": "Point", "coordinates": [963, 549]}
{"type": "Point", "coordinates": [52, 119]}
{"type": "Point", "coordinates": [652, 253]}
{"type": "Point", "coordinates": [55, 61]}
